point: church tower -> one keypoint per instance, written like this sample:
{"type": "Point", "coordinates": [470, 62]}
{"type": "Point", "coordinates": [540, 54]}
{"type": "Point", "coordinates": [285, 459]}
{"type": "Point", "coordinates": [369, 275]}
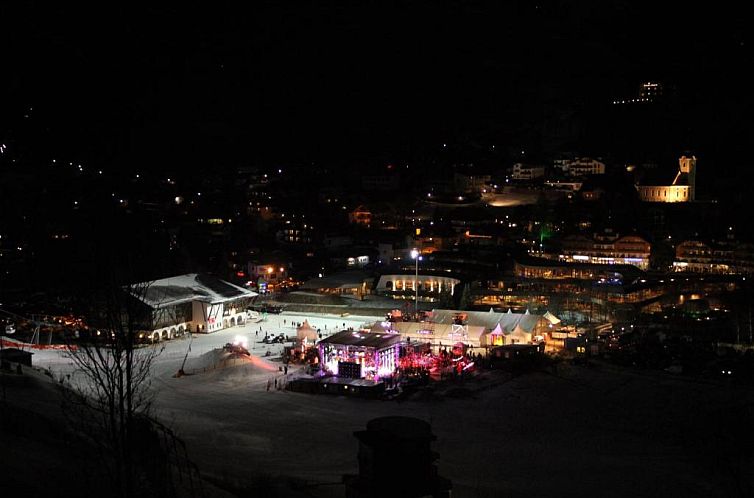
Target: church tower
{"type": "Point", "coordinates": [688, 166]}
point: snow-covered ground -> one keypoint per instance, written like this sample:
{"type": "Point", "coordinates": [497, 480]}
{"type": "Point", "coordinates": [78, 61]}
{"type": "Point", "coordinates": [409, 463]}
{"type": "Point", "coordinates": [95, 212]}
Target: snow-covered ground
{"type": "Point", "coordinates": [579, 432]}
{"type": "Point", "coordinates": [175, 350]}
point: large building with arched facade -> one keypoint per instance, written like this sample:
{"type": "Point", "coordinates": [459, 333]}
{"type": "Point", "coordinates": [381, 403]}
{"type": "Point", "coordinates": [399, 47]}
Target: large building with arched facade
{"type": "Point", "coordinates": [191, 303]}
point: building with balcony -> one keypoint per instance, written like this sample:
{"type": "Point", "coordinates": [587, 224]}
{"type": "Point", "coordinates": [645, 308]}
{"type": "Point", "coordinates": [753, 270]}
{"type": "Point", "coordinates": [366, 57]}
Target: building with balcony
{"type": "Point", "coordinates": [523, 171]}
{"type": "Point", "coordinates": [583, 166]}
{"type": "Point", "coordinates": [606, 248]}
{"type": "Point", "coordinates": [714, 257]}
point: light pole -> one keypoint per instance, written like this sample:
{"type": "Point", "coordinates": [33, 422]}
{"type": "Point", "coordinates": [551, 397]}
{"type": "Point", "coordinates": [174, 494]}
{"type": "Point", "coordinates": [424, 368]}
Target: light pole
{"type": "Point", "coordinates": [415, 255]}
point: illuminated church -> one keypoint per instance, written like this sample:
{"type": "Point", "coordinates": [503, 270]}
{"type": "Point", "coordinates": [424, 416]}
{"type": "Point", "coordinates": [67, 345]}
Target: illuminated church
{"type": "Point", "coordinates": [681, 190]}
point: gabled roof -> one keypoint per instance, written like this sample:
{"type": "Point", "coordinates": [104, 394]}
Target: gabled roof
{"type": "Point", "coordinates": [438, 331]}
{"type": "Point", "coordinates": [191, 287]}
{"type": "Point", "coordinates": [490, 321]}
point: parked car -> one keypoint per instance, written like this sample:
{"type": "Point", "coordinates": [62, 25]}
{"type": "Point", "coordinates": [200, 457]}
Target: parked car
{"type": "Point", "coordinates": [274, 339]}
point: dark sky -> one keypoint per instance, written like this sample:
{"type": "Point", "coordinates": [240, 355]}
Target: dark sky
{"type": "Point", "coordinates": [210, 83]}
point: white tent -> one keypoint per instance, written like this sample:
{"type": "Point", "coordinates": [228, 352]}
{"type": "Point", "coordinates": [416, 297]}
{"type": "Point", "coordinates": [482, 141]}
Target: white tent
{"type": "Point", "coordinates": [495, 337]}
{"type": "Point", "coordinates": [306, 331]}
{"type": "Point", "coordinates": [518, 336]}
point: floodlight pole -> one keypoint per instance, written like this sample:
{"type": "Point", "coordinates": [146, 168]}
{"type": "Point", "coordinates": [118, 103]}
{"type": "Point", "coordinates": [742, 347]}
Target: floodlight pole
{"type": "Point", "coordinates": [415, 255]}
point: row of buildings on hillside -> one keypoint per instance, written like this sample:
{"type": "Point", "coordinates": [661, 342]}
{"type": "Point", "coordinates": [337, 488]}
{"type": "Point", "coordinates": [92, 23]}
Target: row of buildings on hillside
{"type": "Point", "coordinates": [682, 187]}
{"type": "Point", "coordinates": [576, 167]}
{"type": "Point", "coordinates": [606, 257]}
{"type": "Point", "coordinates": [567, 170]}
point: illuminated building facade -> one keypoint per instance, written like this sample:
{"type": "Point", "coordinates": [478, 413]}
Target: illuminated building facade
{"type": "Point", "coordinates": [358, 354]}
{"type": "Point", "coordinates": [683, 188]}
{"type": "Point", "coordinates": [542, 269]}
{"type": "Point", "coordinates": [272, 273]}
{"type": "Point", "coordinates": [583, 166]}
{"type": "Point", "coordinates": [718, 258]}
{"type": "Point", "coordinates": [606, 248]}
{"type": "Point", "coordinates": [527, 171]}
{"type": "Point", "coordinates": [392, 284]}
{"type": "Point", "coordinates": [193, 302]}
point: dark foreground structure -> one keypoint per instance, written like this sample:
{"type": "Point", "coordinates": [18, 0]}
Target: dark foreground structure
{"type": "Point", "coordinates": [15, 355]}
{"type": "Point", "coordinates": [395, 459]}
{"type": "Point", "coordinates": [340, 386]}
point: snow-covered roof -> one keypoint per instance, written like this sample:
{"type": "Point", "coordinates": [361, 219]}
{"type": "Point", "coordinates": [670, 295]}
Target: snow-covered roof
{"type": "Point", "coordinates": [190, 287]}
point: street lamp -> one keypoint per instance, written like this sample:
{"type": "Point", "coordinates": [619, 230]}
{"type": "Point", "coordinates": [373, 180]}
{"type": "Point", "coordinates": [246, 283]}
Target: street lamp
{"type": "Point", "coordinates": [415, 256]}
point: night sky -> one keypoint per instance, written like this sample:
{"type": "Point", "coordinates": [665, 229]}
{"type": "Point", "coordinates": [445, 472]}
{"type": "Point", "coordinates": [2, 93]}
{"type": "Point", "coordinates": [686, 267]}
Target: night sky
{"type": "Point", "coordinates": [185, 87]}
